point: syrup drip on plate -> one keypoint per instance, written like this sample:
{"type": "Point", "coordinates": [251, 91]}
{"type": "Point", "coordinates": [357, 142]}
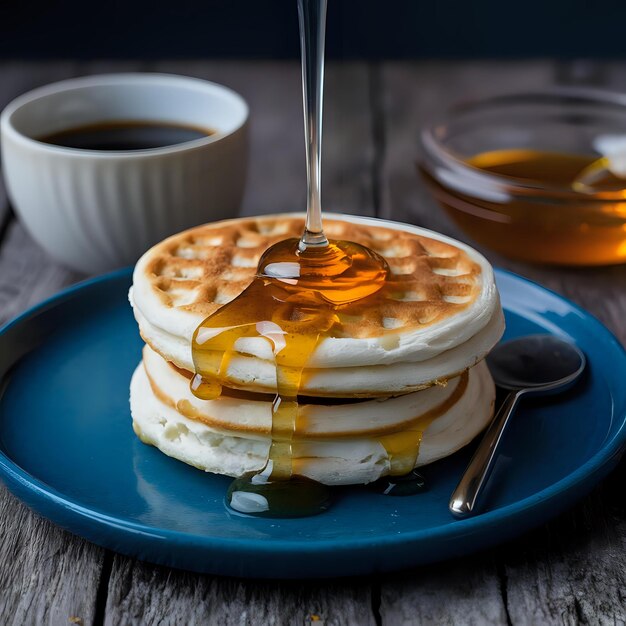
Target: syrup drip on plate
{"type": "Point", "coordinates": [406, 485]}
{"type": "Point", "coordinates": [292, 303]}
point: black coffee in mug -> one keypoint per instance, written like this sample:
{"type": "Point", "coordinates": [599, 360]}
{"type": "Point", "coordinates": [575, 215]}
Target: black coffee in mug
{"type": "Point", "coordinates": [126, 135]}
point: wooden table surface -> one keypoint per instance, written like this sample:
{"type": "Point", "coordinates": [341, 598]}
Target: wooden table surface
{"type": "Point", "coordinates": [573, 570]}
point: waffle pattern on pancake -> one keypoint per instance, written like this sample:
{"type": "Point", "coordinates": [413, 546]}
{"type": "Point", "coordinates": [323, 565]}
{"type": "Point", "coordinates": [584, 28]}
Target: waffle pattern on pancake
{"type": "Point", "coordinates": [438, 315]}
{"type": "Point", "coordinates": [202, 269]}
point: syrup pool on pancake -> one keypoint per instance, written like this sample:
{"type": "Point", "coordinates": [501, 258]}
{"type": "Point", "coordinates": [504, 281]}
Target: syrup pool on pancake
{"type": "Point", "coordinates": [293, 302]}
{"type": "Point", "coordinates": [301, 289]}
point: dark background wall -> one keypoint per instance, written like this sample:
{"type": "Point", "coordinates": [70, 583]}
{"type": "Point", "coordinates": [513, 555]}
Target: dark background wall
{"type": "Point", "coordinates": [369, 29]}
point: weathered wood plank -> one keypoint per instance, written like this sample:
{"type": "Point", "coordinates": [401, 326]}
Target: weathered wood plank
{"type": "Point", "coordinates": [413, 95]}
{"type": "Point", "coordinates": [27, 274]}
{"type": "Point", "coordinates": [277, 175]}
{"type": "Point", "coordinates": [47, 576]}
{"type": "Point", "coordinates": [20, 76]}
{"type": "Point", "coordinates": [348, 146]}
{"type": "Point", "coordinates": [573, 570]}
{"type": "Point", "coordinates": [602, 291]}
{"type": "Point", "coordinates": [466, 591]}
{"type": "Point", "coordinates": [143, 594]}
{"type": "Point", "coordinates": [408, 96]}
{"type": "Point", "coordinates": [570, 571]}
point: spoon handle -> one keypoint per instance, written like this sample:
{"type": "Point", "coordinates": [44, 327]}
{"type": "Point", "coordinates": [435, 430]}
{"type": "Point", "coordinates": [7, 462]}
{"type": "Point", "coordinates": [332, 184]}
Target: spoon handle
{"type": "Point", "coordinates": [464, 497]}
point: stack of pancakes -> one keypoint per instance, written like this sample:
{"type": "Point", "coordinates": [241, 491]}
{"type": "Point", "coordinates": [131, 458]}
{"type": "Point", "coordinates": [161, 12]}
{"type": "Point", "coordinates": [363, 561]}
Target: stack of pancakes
{"type": "Point", "coordinates": [411, 365]}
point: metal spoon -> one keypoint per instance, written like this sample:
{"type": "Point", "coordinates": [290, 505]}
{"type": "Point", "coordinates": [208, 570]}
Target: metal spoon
{"type": "Point", "coordinates": [530, 366]}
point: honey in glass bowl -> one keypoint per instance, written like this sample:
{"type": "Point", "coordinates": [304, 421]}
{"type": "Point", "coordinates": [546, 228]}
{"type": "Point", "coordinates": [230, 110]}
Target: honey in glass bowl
{"type": "Point", "coordinates": [525, 175]}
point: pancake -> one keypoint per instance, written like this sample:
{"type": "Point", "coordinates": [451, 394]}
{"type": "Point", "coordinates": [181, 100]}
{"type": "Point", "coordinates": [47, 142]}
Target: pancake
{"type": "Point", "coordinates": [439, 313]}
{"type": "Point", "coordinates": [251, 414]}
{"type": "Point", "coordinates": [338, 443]}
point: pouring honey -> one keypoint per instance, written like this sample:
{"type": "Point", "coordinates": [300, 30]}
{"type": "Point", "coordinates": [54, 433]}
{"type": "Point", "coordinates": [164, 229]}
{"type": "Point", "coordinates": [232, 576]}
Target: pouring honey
{"type": "Point", "coordinates": [293, 302]}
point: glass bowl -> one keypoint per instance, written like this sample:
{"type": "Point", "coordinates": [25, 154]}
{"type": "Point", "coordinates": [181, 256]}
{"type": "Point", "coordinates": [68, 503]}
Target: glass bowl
{"type": "Point", "coordinates": [508, 170]}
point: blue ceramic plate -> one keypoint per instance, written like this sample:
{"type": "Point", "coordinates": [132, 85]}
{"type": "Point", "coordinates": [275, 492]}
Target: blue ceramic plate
{"type": "Point", "coordinates": [67, 449]}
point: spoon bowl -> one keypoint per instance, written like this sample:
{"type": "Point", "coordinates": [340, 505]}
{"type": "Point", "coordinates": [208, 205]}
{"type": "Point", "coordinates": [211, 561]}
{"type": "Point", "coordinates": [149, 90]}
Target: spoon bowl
{"type": "Point", "coordinates": [536, 364]}
{"type": "Point", "coordinates": [532, 365]}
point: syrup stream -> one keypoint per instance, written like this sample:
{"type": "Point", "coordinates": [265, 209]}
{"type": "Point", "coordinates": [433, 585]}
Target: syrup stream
{"type": "Point", "coordinates": [294, 301]}
{"type": "Point", "coordinates": [312, 20]}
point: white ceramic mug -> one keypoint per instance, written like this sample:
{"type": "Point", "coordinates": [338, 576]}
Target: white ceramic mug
{"type": "Point", "coordinates": [95, 210]}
